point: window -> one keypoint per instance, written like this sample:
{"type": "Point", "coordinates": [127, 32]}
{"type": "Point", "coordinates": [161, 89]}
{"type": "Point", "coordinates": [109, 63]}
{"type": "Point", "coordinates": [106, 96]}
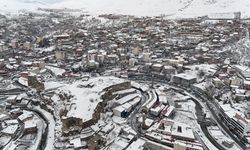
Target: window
{"type": "Point", "coordinates": [179, 129]}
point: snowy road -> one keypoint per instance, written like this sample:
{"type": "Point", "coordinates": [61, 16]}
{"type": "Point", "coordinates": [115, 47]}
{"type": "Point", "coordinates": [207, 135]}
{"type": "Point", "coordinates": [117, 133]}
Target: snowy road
{"type": "Point", "coordinates": [208, 140]}
{"type": "Point", "coordinates": [132, 117]}
{"type": "Point", "coordinates": [51, 127]}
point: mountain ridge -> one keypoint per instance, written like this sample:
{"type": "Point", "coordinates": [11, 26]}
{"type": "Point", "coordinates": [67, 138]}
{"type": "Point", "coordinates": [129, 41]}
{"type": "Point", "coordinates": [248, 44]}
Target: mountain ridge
{"type": "Point", "coordinates": [174, 8]}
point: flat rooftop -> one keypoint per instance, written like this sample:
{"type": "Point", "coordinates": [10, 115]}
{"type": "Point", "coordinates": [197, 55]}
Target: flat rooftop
{"type": "Point", "coordinates": [185, 76]}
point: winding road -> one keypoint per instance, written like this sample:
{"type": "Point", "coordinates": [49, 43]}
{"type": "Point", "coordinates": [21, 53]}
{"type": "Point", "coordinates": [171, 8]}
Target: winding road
{"type": "Point", "coordinates": [198, 108]}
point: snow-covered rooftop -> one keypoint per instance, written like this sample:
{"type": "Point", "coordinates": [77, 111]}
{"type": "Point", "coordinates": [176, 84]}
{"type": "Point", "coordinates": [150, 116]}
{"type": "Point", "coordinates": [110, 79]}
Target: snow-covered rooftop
{"type": "Point", "coordinates": [186, 76]}
{"type": "Point", "coordinates": [10, 129]}
{"type": "Point", "coordinates": [55, 70]}
{"type": "Point", "coordinates": [138, 145]}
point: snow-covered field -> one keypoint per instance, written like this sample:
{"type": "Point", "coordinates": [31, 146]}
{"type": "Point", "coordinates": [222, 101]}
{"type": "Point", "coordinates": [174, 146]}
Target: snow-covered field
{"type": "Point", "coordinates": [14, 6]}
{"type": "Point", "coordinates": [85, 99]}
{"type": "Point", "coordinates": [171, 8]}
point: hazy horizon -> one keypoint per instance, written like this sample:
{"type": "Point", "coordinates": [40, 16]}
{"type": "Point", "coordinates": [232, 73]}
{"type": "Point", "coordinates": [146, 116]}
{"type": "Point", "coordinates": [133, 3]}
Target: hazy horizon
{"type": "Point", "coordinates": [45, 1]}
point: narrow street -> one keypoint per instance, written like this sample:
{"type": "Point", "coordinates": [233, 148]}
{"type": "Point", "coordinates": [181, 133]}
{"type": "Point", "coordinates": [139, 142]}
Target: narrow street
{"type": "Point", "coordinates": [44, 131]}
{"type": "Point", "coordinates": [132, 116]}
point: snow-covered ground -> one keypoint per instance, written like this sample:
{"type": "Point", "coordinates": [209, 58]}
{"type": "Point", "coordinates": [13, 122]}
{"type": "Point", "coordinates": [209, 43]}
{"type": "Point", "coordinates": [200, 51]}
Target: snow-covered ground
{"type": "Point", "coordinates": [174, 8]}
{"type": "Point", "coordinates": [86, 95]}
{"type": "Point", "coordinates": [14, 6]}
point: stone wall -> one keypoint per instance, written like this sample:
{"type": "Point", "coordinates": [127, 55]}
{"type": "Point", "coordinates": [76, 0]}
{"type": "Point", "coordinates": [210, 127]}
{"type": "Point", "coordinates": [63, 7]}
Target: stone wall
{"type": "Point", "coordinates": [71, 125]}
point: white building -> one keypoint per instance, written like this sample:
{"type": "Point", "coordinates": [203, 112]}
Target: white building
{"type": "Point", "coordinates": [3, 117]}
{"type": "Point", "coordinates": [92, 54]}
{"type": "Point", "coordinates": [132, 61]}
{"type": "Point", "coordinates": [100, 58]}
{"type": "Point", "coordinates": [118, 111]}
{"type": "Point", "coordinates": [78, 144]}
{"type": "Point", "coordinates": [14, 43]}
{"type": "Point", "coordinates": [119, 143]}
{"type": "Point", "coordinates": [127, 98]}
{"type": "Point", "coordinates": [30, 127]}
{"type": "Point", "coordinates": [157, 67]}
{"type": "Point", "coordinates": [168, 70]}
{"type": "Point", "coordinates": [122, 110]}
{"type": "Point", "coordinates": [137, 145]}
{"type": "Point", "coordinates": [27, 46]}
{"type": "Point", "coordinates": [177, 135]}
{"type": "Point", "coordinates": [157, 110]}
{"type": "Point", "coordinates": [26, 116]}
{"type": "Point", "coordinates": [10, 130]}
{"type": "Point", "coordinates": [168, 111]}
{"type": "Point", "coordinates": [236, 120]}
{"type": "Point", "coordinates": [146, 57]}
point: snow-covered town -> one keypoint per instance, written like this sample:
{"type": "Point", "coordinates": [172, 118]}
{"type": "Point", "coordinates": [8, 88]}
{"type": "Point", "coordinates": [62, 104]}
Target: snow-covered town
{"type": "Point", "coordinates": [73, 80]}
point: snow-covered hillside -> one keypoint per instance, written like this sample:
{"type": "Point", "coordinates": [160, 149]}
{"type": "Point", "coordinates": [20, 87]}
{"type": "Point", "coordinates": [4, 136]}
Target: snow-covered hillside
{"type": "Point", "coordinates": [176, 8]}
{"type": "Point", "coordinates": [14, 6]}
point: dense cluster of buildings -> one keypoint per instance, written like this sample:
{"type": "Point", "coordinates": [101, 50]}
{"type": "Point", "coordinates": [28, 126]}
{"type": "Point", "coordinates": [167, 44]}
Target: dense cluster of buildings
{"type": "Point", "coordinates": [122, 82]}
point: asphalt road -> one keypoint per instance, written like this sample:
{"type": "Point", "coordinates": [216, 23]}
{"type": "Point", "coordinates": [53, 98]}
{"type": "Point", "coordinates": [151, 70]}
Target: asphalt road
{"type": "Point", "coordinates": [199, 113]}
{"type": "Point", "coordinates": [132, 116]}
{"type": "Point", "coordinates": [18, 134]}
{"type": "Point", "coordinates": [215, 111]}
{"type": "Point", "coordinates": [45, 133]}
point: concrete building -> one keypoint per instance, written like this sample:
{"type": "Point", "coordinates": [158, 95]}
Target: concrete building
{"type": "Point", "coordinates": [30, 127]}
{"type": "Point", "coordinates": [26, 116]}
{"type": "Point", "coordinates": [14, 43]}
{"type": "Point", "coordinates": [10, 130]}
{"type": "Point", "coordinates": [235, 120]}
{"type": "Point", "coordinates": [173, 134]}
{"type": "Point", "coordinates": [120, 111]}
{"type": "Point", "coordinates": [146, 57]}
{"type": "Point", "coordinates": [184, 79]}
{"type": "Point", "coordinates": [132, 61]}
{"type": "Point", "coordinates": [61, 37]}
{"type": "Point", "coordinates": [168, 111]}
{"type": "Point", "coordinates": [136, 51]}
{"type": "Point", "coordinates": [60, 55]}
{"type": "Point", "coordinates": [3, 117]}
{"type": "Point", "coordinates": [92, 55]}
{"type": "Point", "coordinates": [112, 58]}
{"type": "Point", "coordinates": [157, 67]}
{"type": "Point", "coordinates": [137, 145]}
{"type": "Point", "coordinates": [78, 144]}
{"type": "Point", "coordinates": [168, 70]}
{"type": "Point", "coordinates": [246, 85]}
{"type": "Point", "coordinates": [100, 58]}
{"type": "Point", "coordinates": [125, 109]}
{"type": "Point", "coordinates": [157, 110]}
{"type": "Point", "coordinates": [27, 46]}
{"type": "Point", "coordinates": [127, 98]}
